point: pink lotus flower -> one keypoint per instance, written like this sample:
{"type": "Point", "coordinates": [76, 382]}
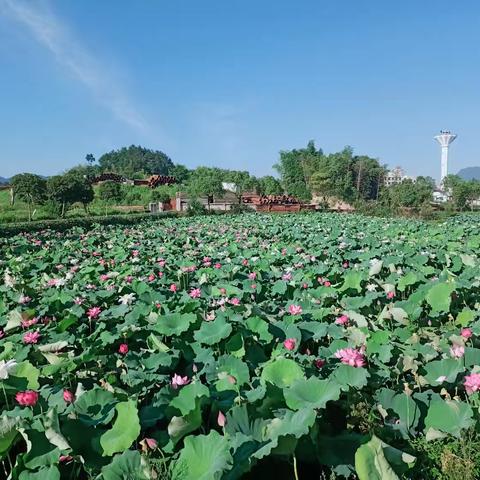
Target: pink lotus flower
{"type": "Point", "coordinates": [151, 443]}
{"type": "Point", "coordinates": [123, 348]}
{"type": "Point", "coordinates": [244, 262]}
{"type": "Point", "coordinates": [466, 333]}
{"type": "Point", "coordinates": [342, 320]}
{"type": "Point", "coordinates": [179, 381]}
{"type": "Point", "coordinates": [305, 285]}
{"type": "Point", "coordinates": [129, 279]}
{"type": "Point", "coordinates": [29, 323]}
{"type": "Point", "coordinates": [93, 312]}
{"type": "Point", "coordinates": [78, 301]}
{"type": "Point", "coordinates": [173, 288]}
{"type": "Point", "coordinates": [104, 277]}
{"type": "Point", "coordinates": [472, 383]}
{"type": "Point", "coordinates": [253, 286]}
{"type": "Point", "coordinates": [161, 262]}
{"type": "Point", "coordinates": [295, 309]}
{"type": "Point", "coordinates": [287, 276]}
{"type": "Point", "coordinates": [252, 275]}
{"type": "Point", "coordinates": [65, 458]}
{"type": "Point", "coordinates": [235, 301]}
{"type": "Point", "coordinates": [195, 293]}
{"type": "Point", "coordinates": [24, 299]}
{"type": "Point", "coordinates": [290, 344]}
{"type": "Point", "coordinates": [221, 419]}
{"type": "Point", "coordinates": [2, 332]}
{"type": "Point", "coordinates": [351, 356]}
{"type": "Point", "coordinates": [457, 351]}
{"type": "Point", "coordinates": [390, 295]}
{"type": "Point", "coordinates": [319, 363]}
{"type": "Point", "coordinates": [218, 266]}
{"type": "Point", "coordinates": [223, 291]}
{"type": "Point", "coordinates": [31, 337]}
{"type": "Point", "coordinates": [151, 277]}
{"type": "Point", "coordinates": [345, 264]}
{"type": "Point", "coordinates": [135, 253]}
{"type": "Point", "coordinates": [326, 283]}
{"type": "Point", "coordinates": [68, 396]}
{"type": "Point", "coordinates": [28, 398]}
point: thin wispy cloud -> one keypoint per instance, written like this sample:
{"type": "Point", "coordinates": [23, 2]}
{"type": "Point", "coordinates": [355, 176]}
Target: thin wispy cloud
{"type": "Point", "coordinates": [52, 33]}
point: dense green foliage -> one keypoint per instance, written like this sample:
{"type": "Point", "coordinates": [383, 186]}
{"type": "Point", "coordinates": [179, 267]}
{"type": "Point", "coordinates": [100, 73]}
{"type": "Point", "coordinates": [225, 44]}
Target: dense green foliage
{"type": "Point", "coordinates": [307, 174]}
{"type": "Point", "coordinates": [30, 188]}
{"type": "Point", "coordinates": [136, 161]}
{"type": "Point", "coordinates": [409, 193]}
{"type": "Point", "coordinates": [212, 347]}
{"type": "Point", "coordinates": [464, 192]}
{"type": "Point", "coordinates": [205, 181]}
{"type": "Point", "coordinates": [110, 192]}
{"type": "Point", "coordinates": [342, 175]}
{"type": "Point", "coordinates": [65, 190]}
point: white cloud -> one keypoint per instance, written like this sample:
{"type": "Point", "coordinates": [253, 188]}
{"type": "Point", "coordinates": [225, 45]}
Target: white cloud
{"type": "Point", "coordinates": [53, 34]}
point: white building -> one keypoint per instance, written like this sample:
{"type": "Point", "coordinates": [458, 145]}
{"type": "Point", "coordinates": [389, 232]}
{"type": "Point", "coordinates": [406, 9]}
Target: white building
{"type": "Point", "coordinates": [395, 176]}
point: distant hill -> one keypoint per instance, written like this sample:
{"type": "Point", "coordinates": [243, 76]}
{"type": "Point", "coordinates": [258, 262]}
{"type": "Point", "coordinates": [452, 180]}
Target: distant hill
{"type": "Point", "coordinates": [4, 180]}
{"type": "Point", "coordinates": [470, 173]}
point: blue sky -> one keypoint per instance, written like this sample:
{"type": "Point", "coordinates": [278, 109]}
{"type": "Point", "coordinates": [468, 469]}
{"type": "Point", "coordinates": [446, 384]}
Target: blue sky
{"type": "Point", "coordinates": [232, 82]}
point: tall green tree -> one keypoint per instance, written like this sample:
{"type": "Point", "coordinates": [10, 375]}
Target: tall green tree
{"type": "Point", "coordinates": [368, 176]}
{"type": "Point", "coordinates": [242, 180]}
{"type": "Point", "coordinates": [110, 192]}
{"type": "Point", "coordinates": [296, 168]}
{"type": "Point", "coordinates": [65, 190]}
{"type": "Point", "coordinates": [180, 172]}
{"type": "Point", "coordinates": [205, 181]}
{"type": "Point", "coordinates": [136, 161]}
{"type": "Point", "coordinates": [30, 188]}
{"type": "Point", "coordinates": [463, 192]}
{"type": "Point", "coordinates": [409, 193]}
{"type": "Point", "coordinates": [269, 185]}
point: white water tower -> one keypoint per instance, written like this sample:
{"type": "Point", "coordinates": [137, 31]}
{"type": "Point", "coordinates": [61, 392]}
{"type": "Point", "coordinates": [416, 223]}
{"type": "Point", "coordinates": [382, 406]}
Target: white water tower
{"type": "Point", "coordinates": [444, 139]}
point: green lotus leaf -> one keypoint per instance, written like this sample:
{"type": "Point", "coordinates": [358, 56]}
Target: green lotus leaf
{"type": "Point", "coordinates": [203, 457]}
{"type": "Point", "coordinates": [449, 416]}
{"type": "Point", "coordinates": [187, 396]}
{"type": "Point", "coordinates": [282, 372]}
{"type": "Point", "coordinates": [125, 429]}
{"type": "Point", "coordinates": [311, 393]}
{"type": "Point", "coordinates": [174, 323]}
{"type": "Point", "coordinates": [212, 332]}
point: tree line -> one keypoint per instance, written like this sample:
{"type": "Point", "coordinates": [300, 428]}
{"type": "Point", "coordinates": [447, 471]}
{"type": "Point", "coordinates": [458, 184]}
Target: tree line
{"type": "Point", "coordinates": [304, 173]}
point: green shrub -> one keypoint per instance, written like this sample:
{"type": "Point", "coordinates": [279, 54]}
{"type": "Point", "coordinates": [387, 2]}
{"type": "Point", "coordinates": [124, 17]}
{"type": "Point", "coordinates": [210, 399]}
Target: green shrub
{"type": "Point", "coordinates": [195, 207]}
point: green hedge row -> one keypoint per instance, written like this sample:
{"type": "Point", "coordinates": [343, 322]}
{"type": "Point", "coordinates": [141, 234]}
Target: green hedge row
{"type": "Point", "coordinates": [60, 225]}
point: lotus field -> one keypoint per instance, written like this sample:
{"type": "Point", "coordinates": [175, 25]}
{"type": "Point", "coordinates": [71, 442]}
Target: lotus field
{"type": "Point", "coordinates": [228, 347]}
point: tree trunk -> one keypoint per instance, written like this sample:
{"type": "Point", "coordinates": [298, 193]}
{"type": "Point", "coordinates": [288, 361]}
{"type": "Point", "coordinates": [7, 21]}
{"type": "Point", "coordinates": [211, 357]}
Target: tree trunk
{"type": "Point", "coordinates": [359, 179]}
{"type": "Point", "coordinates": [29, 205]}
{"type": "Point", "coordinates": [63, 210]}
